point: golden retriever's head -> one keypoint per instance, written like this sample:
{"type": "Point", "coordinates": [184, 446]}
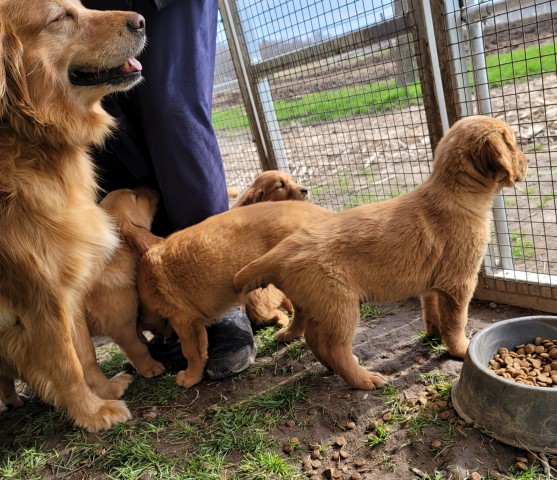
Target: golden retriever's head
{"type": "Point", "coordinates": [484, 149]}
{"type": "Point", "coordinates": [133, 212]}
{"type": "Point", "coordinates": [272, 185]}
{"type": "Point", "coordinates": [58, 59]}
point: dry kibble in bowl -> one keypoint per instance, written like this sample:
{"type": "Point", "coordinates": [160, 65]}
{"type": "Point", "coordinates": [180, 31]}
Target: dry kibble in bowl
{"type": "Point", "coordinates": [533, 363]}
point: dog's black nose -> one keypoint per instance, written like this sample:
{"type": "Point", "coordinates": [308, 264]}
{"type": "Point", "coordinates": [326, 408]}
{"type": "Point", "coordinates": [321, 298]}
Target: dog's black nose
{"type": "Point", "coordinates": [304, 191]}
{"type": "Point", "coordinates": [136, 22]}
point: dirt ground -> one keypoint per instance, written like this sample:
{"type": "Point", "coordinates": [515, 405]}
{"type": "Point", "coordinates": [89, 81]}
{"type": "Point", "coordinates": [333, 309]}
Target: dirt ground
{"type": "Point", "coordinates": [328, 435]}
{"type": "Point", "coordinates": [386, 342]}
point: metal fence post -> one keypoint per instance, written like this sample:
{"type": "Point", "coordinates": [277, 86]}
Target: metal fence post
{"type": "Point", "coordinates": [255, 91]}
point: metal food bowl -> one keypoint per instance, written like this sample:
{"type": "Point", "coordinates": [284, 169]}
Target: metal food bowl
{"type": "Point", "coordinates": [520, 415]}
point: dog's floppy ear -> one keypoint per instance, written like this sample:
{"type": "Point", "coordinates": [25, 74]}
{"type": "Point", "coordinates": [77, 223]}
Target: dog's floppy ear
{"type": "Point", "coordinates": [13, 82]}
{"type": "Point", "coordinates": [497, 159]}
{"type": "Point", "coordinates": [139, 238]}
{"type": "Point", "coordinates": [250, 196]}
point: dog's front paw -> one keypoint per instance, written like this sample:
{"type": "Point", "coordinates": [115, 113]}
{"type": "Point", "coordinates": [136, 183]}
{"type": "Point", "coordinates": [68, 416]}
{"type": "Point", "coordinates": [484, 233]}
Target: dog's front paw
{"type": "Point", "coordinates": [150, 369]}
{"type": "Point", "coordinates": [369, 381]}
{"type": "Point", "coordinates": [187, 378]}
{"type": "Point", "coordinates": [107, 414]}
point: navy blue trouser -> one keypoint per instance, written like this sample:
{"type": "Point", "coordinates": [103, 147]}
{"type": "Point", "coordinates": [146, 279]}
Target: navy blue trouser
{"type": "Point", "coordinates": [165, 138]}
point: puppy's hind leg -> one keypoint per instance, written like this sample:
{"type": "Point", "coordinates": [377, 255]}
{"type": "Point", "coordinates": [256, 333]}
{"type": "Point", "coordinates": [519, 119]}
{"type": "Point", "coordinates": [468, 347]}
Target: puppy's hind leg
{"type": "Point", "coordinates": [330, 339]}
{"type": "Point", "coordinates": [137, 352]}
{"type": "Point", "coordinates": [195, 345]}
{"type": "Point", "coordinates": [294, 330]}
{"type": "Point", "coordinates": [96, 379]}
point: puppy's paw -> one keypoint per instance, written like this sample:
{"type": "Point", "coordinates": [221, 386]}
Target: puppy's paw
{"type": "Point", "coordinates": [117, 385]}
{"type": "Point", "coordinates": [285, 335]}
{"type": "Point", "coordinates": [106, 414]}
{"type": "Point", "coordinates": [150, 369]}
{"type": "Point", "coordinates": [187, 378]}
{"type": "Point", "coordinates": [369, 381]}
{"type": "Point", "coordinates": [458, 349]}
{"type": "Point", "coordinates": [282, 320]}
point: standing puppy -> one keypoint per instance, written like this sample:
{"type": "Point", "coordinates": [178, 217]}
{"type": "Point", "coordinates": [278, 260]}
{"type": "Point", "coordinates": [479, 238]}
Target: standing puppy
{"type": "Point", "coordinates": [428, 243]}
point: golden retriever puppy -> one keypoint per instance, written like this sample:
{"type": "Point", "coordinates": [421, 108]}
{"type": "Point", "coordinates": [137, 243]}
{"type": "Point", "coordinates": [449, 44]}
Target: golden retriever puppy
{"type": "Point", "coordinates": [263, 306]}
{"type": "Point", "coordinates": [429, 243]}
{"type": "Point", "coordinates": [58, 59]}
{"type": "Point", "coordinates": [272, 186]}
{"type": "Point", "coordinates": [112, 305]}
{"type": "Point", "coordinates": [188, 278]}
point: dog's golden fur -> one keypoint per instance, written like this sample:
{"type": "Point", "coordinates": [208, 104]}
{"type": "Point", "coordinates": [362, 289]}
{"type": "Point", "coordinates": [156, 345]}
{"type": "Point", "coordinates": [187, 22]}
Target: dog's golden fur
{"type": "Point", "coordinates": [272, 186]}
{"type": "Point", "coordinates": [55, 239]}
{"type": "Point", "coordinates": [265, 306]}
{"type": "Point", "coordinates": [428, 243]}
{"type": "Point", "coordinates": [188, 278]}
{"type": "Point", "coordinates": [112, 305]}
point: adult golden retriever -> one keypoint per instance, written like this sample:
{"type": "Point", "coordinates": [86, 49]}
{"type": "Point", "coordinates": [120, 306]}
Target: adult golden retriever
{"type": "Point", "coordinates": [57, 60]}
{"type": "Point", "coordinates": [429, 243]}
{"type": "Point", "coordinates": [188, 278]}
{"type": "Point", "coordinates": [112, 305]}
{"type": "Point", "coordinates": [272, 186]}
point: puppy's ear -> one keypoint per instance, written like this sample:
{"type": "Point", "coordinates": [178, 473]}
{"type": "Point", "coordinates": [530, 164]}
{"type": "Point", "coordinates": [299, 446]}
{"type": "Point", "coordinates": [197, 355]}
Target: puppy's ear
{"type": "Point", "coordinates": [496, 157]}
{"type": "Point", "coordinates": [13, 81]}
{"type": "Point", "coordinates": [139, 238]}
{"type": "Point", "coordinates": [250, 196]}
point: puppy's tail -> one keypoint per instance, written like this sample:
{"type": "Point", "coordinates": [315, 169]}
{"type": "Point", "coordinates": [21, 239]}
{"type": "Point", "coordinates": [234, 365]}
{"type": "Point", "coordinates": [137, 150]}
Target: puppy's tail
{"type": "Point", "coordinates": [254, 275]}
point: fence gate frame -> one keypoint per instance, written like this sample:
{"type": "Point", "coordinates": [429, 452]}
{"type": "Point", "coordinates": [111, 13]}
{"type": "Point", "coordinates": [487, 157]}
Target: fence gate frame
{"type": "Point", "coordinates": [445, 36]}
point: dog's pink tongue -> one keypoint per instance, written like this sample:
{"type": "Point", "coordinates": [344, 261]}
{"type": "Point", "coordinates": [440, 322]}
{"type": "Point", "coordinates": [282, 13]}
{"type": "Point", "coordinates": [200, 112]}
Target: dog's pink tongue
{"type": "Point", "coordinates": [133, 65]}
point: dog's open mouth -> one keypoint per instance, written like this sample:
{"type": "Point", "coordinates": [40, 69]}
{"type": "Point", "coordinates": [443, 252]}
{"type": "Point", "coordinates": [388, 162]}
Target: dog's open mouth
{"type": "Point", "coordinates": [128, 72]}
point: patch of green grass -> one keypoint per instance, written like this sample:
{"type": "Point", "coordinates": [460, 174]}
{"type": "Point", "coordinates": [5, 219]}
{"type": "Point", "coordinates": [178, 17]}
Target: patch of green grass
{"type": "Point", "coordinates": [360, 199]}
{"type": "Point", "coordinates": [529, 191]}
{"type": "Point", "coordinates": [369, 310]}
{"type": "Point", "coordinates": [394, 399]}
{"type": "Point", "coordinates": [537, 147]}
{"type": "Point", "coordinates": [387, 461]}
{"type": "Point", "coordinates": [521, 63]}
{"type": "Point", "coordinates": [533, 473]}
{"type": "Point", "coordinates": [265, 466]}
{"type": "Point", "coordinates": [510, 202]}
{"type": "Point", "coordinates": [265, 341]}
{"type": "Point", "coordinates": [433, 343]}
{"type": "Point", "coordinates": [295, 351]}
{"type": "Point", "coordinates": [440, 381]}
{"type": "Point", "coordinates": [421, 421]}
{"type": "Point", "coordinates": [544, 200]}
{"type": "Point", "coordinates": [154, 391]}
{"type": "Point", "coordinates": [378, 437]}
{"type": "Point", "coordinates": [386, 95]}
{"type": "Point", "coordinates": [521, 247]}
{"type": "Point", "coordinates": [25, 464]}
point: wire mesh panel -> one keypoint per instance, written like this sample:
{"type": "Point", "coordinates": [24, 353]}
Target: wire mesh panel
{"type": "Point", "coordinates": [509, 53]}
{"type": "Point", "coordinates": [339, 94]}
{"type": "Point", "coordinates": [230, 121]}
{"type": "Point", "coordinates": [349, 124]}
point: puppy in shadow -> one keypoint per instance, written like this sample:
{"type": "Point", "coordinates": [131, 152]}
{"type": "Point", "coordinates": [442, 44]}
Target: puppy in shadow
{"type": "Point", "coordinates": [112, 305]}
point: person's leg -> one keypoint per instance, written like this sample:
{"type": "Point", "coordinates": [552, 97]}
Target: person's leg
{"type": "Point", "coordinates": [174, 104]}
